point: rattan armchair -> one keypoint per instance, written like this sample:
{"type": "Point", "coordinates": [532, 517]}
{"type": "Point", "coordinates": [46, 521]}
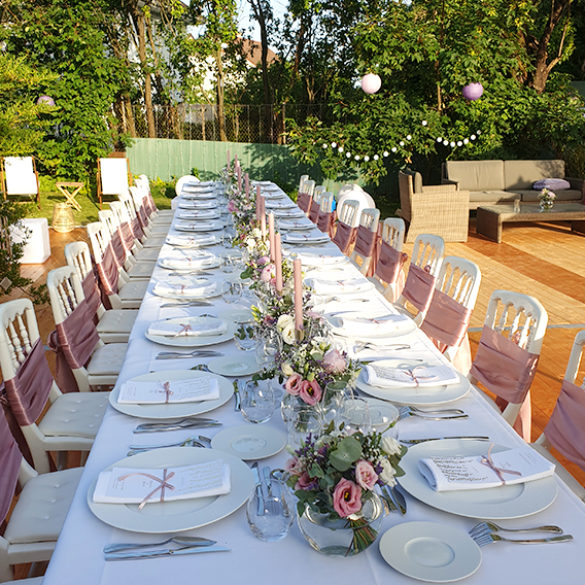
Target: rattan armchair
{"type": "Point", "coordinates": [441, 210]}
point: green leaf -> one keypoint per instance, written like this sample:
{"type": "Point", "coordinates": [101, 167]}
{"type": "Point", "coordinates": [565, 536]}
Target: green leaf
{"type": "Point", "coordinates": [348, 451]}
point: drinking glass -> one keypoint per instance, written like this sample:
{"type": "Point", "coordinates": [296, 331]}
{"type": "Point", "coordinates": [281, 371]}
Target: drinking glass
{"type": "Point", "coordinates": [257, 401]}
{"type": "Point", "coordinates": [301, 421]}
{"type": "Point", "coordinates": [233, 292]}
{"type": "Point", "coordinates": [356, 416]}
{"type": "Point", "coordinates": [247, 337]}
{"type": "Point", "coordinates": [332, 403]}
{"type": "Point", "coordinates": [269, 511]}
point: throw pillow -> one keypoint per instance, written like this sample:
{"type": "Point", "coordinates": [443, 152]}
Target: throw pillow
{"type": "Point", "coordinates": [552, 184]}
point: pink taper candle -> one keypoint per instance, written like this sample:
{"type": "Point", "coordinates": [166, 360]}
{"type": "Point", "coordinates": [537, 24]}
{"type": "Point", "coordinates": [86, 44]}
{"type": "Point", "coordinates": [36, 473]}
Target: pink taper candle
{"type": "Point", "coordinates": [271, 235]}
{"type": "Point", "coordinates": [262, 216]}
{"type": "Point", "coordinates": [298, 281]}
{"type": "Point", "coordinates": [278, 262]}
{"type": "Point", "coordinates": [247, 185]}
{"type": "Point", "coordinates": [258, 204]}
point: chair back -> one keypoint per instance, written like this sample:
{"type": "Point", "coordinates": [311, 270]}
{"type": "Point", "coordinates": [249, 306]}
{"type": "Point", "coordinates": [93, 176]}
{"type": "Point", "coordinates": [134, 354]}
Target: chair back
{"type": "Point", "coordinates": [315, 206]}
{"type": "Point", "coordinates": [393, 230]}
{"type": "Point", "coordinates": [302, 181]}
{"type": "Point", "coordinates": [366, 240]}
{"type": "Point", "coordinates": [425, 264]}
{"type": "Point", "coordinates": [104, 256]}
{"type": "Point", "coordinates": [325, 217]}
{"type": "Point", "coordinates": [182, 180]}
{"type": "Point", "coordinates": [345, 233]}
{"type": "Point", "coordinates": [459, 278]}
{"type": "Point", "coordinates": [305, 196]}
{"type": "Point", "coordinates": [388, 274]}
{"type": "Point", "coordinates": [355, 193]}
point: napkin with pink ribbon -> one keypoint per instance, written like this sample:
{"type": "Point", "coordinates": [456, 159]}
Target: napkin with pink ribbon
{"type": "Point", "coordinates": [185, 259]}
{"type": "Point", "coordinates": [390, 374]}
{"type": "Point", "coordinates": [168, 391]}
{"type": "Point", "coordinates": [196, 287]}
{"type": "Point", "coordinates": [358, 327]}
{"type": "Point", "coordinates": [188, 327]}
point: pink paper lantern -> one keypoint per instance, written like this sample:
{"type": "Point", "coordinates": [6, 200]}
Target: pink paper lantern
{"type": "Point", "coordinates": [473, 91]}
{"type": "Point", "coordinates": [46, 100]}
{"type": "Point", "coordinates": [371, 83]}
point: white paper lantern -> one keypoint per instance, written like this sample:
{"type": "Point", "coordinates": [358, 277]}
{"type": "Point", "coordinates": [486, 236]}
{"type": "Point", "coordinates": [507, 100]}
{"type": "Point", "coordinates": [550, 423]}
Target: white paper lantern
{"type": "Point", "coordinates": [386, 153]}
{"type": "Point", "coordinates": [334, 145]}
{"type": "Point", "coordinates": [376, 157]}
{"type": "Point", "coordinates": [366, 158]}
{"type": "Point", "coordinates": [371, 83]}
{"type": "Point", "coordinates": [393, 149]}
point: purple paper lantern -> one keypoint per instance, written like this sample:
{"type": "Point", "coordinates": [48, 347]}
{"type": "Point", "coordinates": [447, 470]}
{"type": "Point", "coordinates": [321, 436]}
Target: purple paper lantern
{"type": "Point", "coordinates": [473, 91]}
{"type": "Point", "coordinates": [47, 100]}
{"type": "Point", "coordinates": [371, 83]}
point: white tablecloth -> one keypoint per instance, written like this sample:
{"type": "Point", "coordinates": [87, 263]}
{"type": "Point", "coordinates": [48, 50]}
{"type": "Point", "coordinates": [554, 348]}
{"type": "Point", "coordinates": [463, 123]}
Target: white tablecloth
{"type": "Point", "coordinates": [78, 558]}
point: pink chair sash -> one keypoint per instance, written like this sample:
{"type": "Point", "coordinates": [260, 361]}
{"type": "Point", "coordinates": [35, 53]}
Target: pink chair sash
{"type": "Point", "coordinates": [314, 211]}
{"type": "Point", "coordinates": [127, 236]}
{"type": "Point", "coordinates": [91, 292]}
{"type": "Point", "coordinates": [390, 262]}
{"type": "Point", "coordinates": [446, 320]}
{"type": "Point", "coordinates": [108, 272]}
{"type": "Point", "coordinates": [419, 287]}
{"type": "Point", "coordinates": [344, 237]}
{"type": "Point", "coordinates": [118, 248]}
{"type": "Point", "coordinates": [365, 240]}
{"type": "Point", "coordinates": [324, 221]}
{"type": "Point", "coordinates": [143, 216]}
{"type": "Point", "coordinates": [74, 341]}
{"type": "Point", "coordinates": [304, 201]}
{"type": "Point", "coordinates": [136, 227]}
{"type": "Point", "coordinates": [10, 458]}
{"type": "Point", "coordinates": [566, 428]}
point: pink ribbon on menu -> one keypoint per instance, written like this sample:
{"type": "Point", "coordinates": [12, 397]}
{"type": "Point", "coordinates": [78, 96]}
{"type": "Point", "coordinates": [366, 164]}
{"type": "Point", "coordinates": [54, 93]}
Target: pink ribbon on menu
{"type": "Point", "coordinates": [185, 328]}
{"type": "Point", "coordinates": [167, 390]}
{"type": "Point", "coordinates": [489, 462]}
{"type": "Point", "coordinates": [411, 373]}
{"type": "Point", "coordinates": [164, 484]}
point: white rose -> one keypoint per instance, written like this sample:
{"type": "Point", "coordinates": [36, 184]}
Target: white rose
{"type": "Point", "coordinates": [391, 446]}
{"type": "Point", "coordinates": [287, 369]}
{"type": "Point", "coordinates": [256, 232]}
{"type": "Point", "coordinates": [388, 472]}
{"type": "Point", "coordinates": [286, 327]}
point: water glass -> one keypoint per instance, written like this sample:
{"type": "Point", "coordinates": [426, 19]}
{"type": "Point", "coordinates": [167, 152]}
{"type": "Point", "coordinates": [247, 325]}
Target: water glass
{"type": "Point", "coordinates": [334, 397]}
{"type": "Point", "coordinates": [356, 416]}
{"type": "Point", "coordinates": [233, 292]}
{"type": "Point", "coordinates": [247, 337]}
{"type": "Point", "coordinates": [269, 511]}
{"type": "Point", "coordinates": [302, 421]}
{"type": "Point", "coordinates": [257, 401]}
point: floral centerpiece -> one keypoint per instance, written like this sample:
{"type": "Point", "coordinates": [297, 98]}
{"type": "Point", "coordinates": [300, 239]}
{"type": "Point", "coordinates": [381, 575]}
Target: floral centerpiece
{"type": "Point", "coordinates": [547, 199]}
{"type": "Point", "coordinates": [334, 477]}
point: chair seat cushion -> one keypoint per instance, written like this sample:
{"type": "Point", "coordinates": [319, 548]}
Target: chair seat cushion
{"type": "Point", "coordinates": [146, 255]}
{"type": "Point", "coordinates": [117, 321]}
{"type": "Point", "coordinates": [141, 269]}
{"type": "Point", "coordinates": [155, 241]}
{"type": "Point", "coordinates": [107, 359]}
{"type": "Point", "coordinates": [42, 507]}
{"type": "Point", "coordinates": [134, 290]}
{"type": "Point", "coordinates": [76, 414]}
{"type": "Point", "coordinates": [491, 197]}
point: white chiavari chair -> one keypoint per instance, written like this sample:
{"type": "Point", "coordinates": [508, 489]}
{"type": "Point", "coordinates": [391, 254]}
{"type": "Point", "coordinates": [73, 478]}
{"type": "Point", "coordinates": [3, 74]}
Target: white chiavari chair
{"type": "Point", "coordinates": [366, 239]}
{"type": "Point", "coordinates": [344, 237]}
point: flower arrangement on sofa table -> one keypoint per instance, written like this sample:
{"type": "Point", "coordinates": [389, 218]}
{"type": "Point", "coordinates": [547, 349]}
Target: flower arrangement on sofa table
{"type": "Point", "coordinates": [334, 476]}
{"type": "Point", "coordinates": [546, 198]}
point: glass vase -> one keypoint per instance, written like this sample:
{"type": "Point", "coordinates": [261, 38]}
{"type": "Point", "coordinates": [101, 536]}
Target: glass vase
{"type": "Point", "coordinates": [546, 204]}
{"type": "Point", "coordinates": [342, 536]}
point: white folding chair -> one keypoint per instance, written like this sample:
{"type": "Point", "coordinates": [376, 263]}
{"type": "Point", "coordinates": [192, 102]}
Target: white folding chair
{"type": "Point", "coordinates": [425, 264]}
{"type": "Point", "coordinates": [389, 276]}
{"type": "Point", "coordinates": [155, 215]}
{"type": "Point", "coordinates": [453, 301]}
{"type": "Point", "coordinates": [114, 325]}
{"type": "Point", "coordinates": [345, 231]}
{"type": "Point", "coordinates": [121, 292]}
{"type": "Point", "coordinates": [20, 177]}
{"type": "Point", "coordinates": [69, 421]}
{"type": "Point", "coordinates": [508, 351]}
{"type": "Point", "coordinates": [155, 229]}
{"type": "Point", "coordinates": [365, 242]}
{"type": "Point", "coordinates": [565, 430]}
{"type": "Point", "coordinates": [104, 363]}
{"type": "Point", "coordinates": [127, 220]}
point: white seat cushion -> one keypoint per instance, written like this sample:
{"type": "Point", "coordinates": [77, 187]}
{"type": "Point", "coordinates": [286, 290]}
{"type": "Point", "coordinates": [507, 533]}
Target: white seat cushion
{"type": "Point", "coordinates": [76, 414]}
{"type": "Point", "coordinates": [134, 290]}
{"type": "Point", "coordinates": [146, 255]}
{"type": "Point", "coordinates": [117, 321]}
{"type": "Point", "coordinates": [107, 359]}
{"type": "Point", "coordinates": [142, 269]}
{"type": "Point", "coordinates": [154, 241]}
{"type": "Point", "coordinates": [42, 507]}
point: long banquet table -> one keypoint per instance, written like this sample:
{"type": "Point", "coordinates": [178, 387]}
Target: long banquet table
{"type": "Point", "coordinates": [78, 558]}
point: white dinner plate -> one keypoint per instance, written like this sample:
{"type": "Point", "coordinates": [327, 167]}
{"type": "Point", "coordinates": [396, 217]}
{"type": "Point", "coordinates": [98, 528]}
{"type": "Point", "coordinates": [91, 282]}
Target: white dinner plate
{"type": "Point", "coordinates": [382, 414]}
{"type": "Point", "coordinates": [196, 195]}
{"type": "Point", "coordinates": [284, 203]}
{"type": "Point", "coordinates": [177, 516]}
{"type": "Point", "coordinates": [203, 225]}
{"type": "Point", "coordinates": [220, 288]}
{"type": "Point", "coordinates": [292, 212]}
{"type": "Point", "coordinates": [508, 501]}
{"type": "Point", "coordinates": [210, 261]}
{"type": "Point", "coordinates": [192, 340]}
{"type": "Point", "coordinates": [195, 204]}
{"type": "Point", "coordinates": [250, 441]}
{"type": "Point", "coordinates": [295, 225]}
{"type": "Point", "coordinates": [179, 410]}
{"type": "Point", "coordinates": [304, 239]}
{"type": "Point", "coordinates": [234, 365]}
{"type": "Point", "coordinates": [194, 241]}
{"type": "Point", "coordinates": [430, 552]}
{"type": "Point", "coordinates": [198, 214]}
{"type": "Point", "coordinates": [418, 396]}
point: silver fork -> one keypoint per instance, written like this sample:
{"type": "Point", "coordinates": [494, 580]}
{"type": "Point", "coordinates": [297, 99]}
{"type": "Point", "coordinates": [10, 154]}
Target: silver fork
{"type": "Point", "coordinates": [191, 442]}
{"type": "Point", "coordinates": [487, 526]}
{"type": "Point", "coordinates": [361, 345]}
{"type": "Point", "coordinates": [446, 413]}
{"type": "Point", "coordinates": [489, 537]}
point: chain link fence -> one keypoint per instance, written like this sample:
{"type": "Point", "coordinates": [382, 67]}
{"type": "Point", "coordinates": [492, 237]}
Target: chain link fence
{"type": "Point", "coordinates": [242, 122]}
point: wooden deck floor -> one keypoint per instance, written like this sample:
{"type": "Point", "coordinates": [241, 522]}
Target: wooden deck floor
{"type": "Point", "coordinates": [543, 260]}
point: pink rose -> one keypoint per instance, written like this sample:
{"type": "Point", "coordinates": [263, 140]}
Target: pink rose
{"type": "Point", "coordinates": [310, 392]}
{"type": "Point", "coordinates": [347, 498]}
{"type": "Point", "coordinates": [293, 384]}
{"type": "Point", "coordinates": [266, 274]}
{"type": "Point", "coordinates": [365, 475]}
{"type": "Point", "coordinates": [293, 466]}
{"type": "Point", "coordinates": [231, 206]}
{"type": "Point", "coordinates": [333, 362]}
{"type": "Point", "coordinates": [263, 260]}
{"type": "Point", "coordinates": [305, 482]}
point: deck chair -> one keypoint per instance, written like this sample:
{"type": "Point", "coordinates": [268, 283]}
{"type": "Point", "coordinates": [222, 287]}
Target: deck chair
{"type": "Point", "coordinates": [34, 523]}
{"type": "Point", "coordinates": [388, 275]}
{"type": "Point", "coordinates": [508, 352]}
{"type": "Point", "coordinates": [19, 177]}
{"type": "Point", "coordinates": [113, 177]}
{"type": "Point", "coordinates": [452, 303]}
{"type": "Point", "coordinates": [425, 264]}
{"type": "Point", "coordinates": [365, 240]}
{"type": "Point", "coordinates": [120, 292]}
{"type": "Point", "coordinates": [345, 233]}
{"type": "Point", "coordinates": [70, 421]}
{"type": "Point", "coordinates": [565, 430]}
{"type": "Point", "coordinates": [91, 362]}
{"type": "Point", "coordinates": [113, 325]}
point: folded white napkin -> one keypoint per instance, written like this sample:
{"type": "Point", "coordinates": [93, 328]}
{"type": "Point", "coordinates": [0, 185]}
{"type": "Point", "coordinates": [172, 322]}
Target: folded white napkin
{"type": "Point", "coordinates": [170, 391]}
{"type": "Point", "coordinates": [188, 327]}
{"type": "Point", "coordinates": [132, 485]}
{"type": "Point", "coordinates": [195, 196]}
{"type": "Point", "coordinates": [204, 225]}
{"type": "Point", "coordinates": [385, 375]}
{"type": "Point", "coordinates": [295, 224]}
{"type": "Point", "coordinates": [296, 238]}
{"type": "Point", "coordinates": [358, 327]}
{"type": "Point", "coordinates": [195, 287]}
{"type": "Point", "coordinates": [342, 286]}
{"type": "Point", "coordinates": [188, 259]}
{"type": "Point", "coordinates": [198, 204]}
{"type": "Point", "coordinates": [312, 259]}
{"type": "Point", "coordinates": [183, 240]}
{"type": "Point", "coordinates": [198, 214]}
{"type": "Point", "coordinates": [449, 473]}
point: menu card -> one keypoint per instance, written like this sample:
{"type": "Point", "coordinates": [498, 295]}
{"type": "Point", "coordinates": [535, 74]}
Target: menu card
{"type": "Point", "coordinates": [512, 466]}
{"type": "Point", "coordinates": [188, 327]}
{"type": "Point", "coordinates": [334, 287]}
{"type": "Point", "coordinates": [131, 485]}
{"type": "Point", "coordinates": [183, 240]}
{"type": "Point", "coordinates": [363, 327]}
{"type": "Point", "coordinates": [170, 391]}
{"type": "Point", "coordinates": [387, 376]}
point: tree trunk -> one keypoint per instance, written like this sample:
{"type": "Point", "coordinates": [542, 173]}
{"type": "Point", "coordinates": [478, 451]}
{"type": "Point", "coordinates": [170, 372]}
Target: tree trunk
{"type": "Point", "coordinates": [220, 93]}
{"type": "Point", "coordinates": [147, 79]}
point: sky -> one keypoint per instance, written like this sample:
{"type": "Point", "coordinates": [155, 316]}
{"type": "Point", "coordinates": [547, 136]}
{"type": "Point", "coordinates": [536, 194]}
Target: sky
{"type": "Point", "coordinates": [278, 7]}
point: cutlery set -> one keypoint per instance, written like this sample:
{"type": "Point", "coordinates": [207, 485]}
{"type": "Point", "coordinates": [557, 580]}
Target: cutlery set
{"type": "Point", "coordinates": [443, 414]}
{"type": "Point", "coordinates": [187, 545]}
{"type": "Point", "coordinates": [184, 423]}
{"type": "Point", "coordinates": [486, 533]}
{"type": "Point", "coordinates": [173, 355]}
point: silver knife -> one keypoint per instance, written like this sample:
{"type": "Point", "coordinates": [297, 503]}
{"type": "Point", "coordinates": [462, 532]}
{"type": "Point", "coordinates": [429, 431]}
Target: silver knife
{"type": "Point", "coordinates": [164, 552]}
{"type": "Point", "coordinates": [172, 355]}
{"type": "Point", "coordinates": [177, 425]}
{"type": "Point", "coordinates": [187, 304]}
{"type": "Point", "coordinates": [417, 441]}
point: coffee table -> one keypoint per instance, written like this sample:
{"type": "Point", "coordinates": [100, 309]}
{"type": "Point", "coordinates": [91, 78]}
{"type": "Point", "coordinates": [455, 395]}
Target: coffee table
{"type": "Point", "coordinates": [491, 218]}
